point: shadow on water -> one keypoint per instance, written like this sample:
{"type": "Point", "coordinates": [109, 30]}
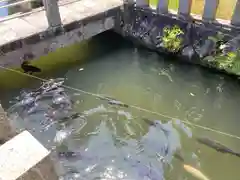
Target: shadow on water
{"type": "Point", "coordinates": [102, 138]}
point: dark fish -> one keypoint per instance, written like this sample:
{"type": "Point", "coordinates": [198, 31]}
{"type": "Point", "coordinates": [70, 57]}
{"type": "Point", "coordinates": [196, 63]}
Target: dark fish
{"type": "Point", "coordinates": [2, 141]}
{"type": "Point", "coordinates": [149, 122]}
{"type": "Point", "coordinates": [178, 156]}
{"type": "Point", "coordinates": [74, 156]}
{"type": "Point", "coordinates": [216, 145]}
{"type": "Point", "coordinates": [118, 103]}
{"type": "Point", "coordinates": [156, 123]}
{"type": "Point", "coordinates": [114, 101]}
{"type": "Point", "coordinates": [70, 117]}
{"type": "Point", "coordinates": [29, 68]}
{"type": "Point", "coordinates": [69, 154]}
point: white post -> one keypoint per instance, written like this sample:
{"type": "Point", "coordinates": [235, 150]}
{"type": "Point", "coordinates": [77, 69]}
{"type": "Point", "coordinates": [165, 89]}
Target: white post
{"type": "Point", "coordinates": [52, 13]}
{"type": "Point", "coordinates": [142, 3]}
{"type": "Point", "coordinates": [236, 15]}
{"type": "Point", "coordinates": [162, 7]}
{"type": "Point", "coordinates": [210, 9]}
{"type": "Point", "coordinates": [185, 7]}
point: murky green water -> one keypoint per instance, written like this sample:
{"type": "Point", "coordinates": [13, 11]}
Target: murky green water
{"type": "Point", "coordinates": [116, 143]}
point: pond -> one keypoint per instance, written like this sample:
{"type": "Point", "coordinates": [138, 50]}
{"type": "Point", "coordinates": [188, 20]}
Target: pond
{"type": "Point", "coordinates": [137, 136]}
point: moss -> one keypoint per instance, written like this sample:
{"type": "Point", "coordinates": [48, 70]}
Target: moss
{"type": "Point", "coordinates": [63, 57]}
{"type": "Point", "coordinates": [171, 38]}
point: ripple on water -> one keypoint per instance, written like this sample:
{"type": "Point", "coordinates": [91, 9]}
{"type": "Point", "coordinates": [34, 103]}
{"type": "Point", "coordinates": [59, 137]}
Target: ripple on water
{"type": "Point", "coordinates": [99, 156]}
{"type": "Point", "coordinates": [101, 139]}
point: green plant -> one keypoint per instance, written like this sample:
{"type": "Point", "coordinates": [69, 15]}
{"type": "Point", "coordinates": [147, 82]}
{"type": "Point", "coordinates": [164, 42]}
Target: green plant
{"type": "Point", "coordinates": [229, 62]}
{"type": "Point", "coordinates": [235, 68]}
{"type": "Point", "coordinates": [171, 38]}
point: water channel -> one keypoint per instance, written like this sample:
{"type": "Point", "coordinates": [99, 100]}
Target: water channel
{"type": "Point", "coordinates": [113, 142]}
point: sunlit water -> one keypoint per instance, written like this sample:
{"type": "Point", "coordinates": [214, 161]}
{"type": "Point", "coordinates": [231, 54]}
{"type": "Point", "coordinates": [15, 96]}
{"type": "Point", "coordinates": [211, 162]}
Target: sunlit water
{"type": "Point", "coordinates": [115, 142]}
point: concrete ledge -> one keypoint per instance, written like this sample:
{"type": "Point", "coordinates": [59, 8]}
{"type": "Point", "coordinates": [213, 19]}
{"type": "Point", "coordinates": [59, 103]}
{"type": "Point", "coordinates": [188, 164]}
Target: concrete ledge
{"type": "Point", "coordinates": [81, 20]}
{"type": "Point", "coordinates": [75, 32]}
{"type": "Point", "coordinates": [23, 157]}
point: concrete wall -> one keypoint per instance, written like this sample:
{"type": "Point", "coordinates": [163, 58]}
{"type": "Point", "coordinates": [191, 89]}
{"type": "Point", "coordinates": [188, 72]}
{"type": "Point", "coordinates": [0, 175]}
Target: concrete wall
{"type": "Point", "coordinates": [49, 41]}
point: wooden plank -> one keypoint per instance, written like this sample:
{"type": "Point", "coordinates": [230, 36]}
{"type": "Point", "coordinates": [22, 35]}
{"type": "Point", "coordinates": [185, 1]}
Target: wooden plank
{"type": "Point", "coordinates": [185, 7]}
{"type": "Point", "coordinates": [20, 154]}
{"type": "Point", "coordinates": [210, 10]}
{"type": "Point", "coordinates": [162, 7]}
{"type": "Point", "coordinates": [236, 15]}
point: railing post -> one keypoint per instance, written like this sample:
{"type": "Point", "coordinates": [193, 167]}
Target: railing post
{"type": "Point", "coordinates": [142, 3]}
{"type": "Point", "coordinates": [162, 7]}
{"type": "Point", "coordinates": [184, 7]}
{"type": "Point", "coordinates": [52, 13]}
{"type": "Point", "coordinates": [236, 15]}
{"type": "Point", "coordinates": [210, 10]}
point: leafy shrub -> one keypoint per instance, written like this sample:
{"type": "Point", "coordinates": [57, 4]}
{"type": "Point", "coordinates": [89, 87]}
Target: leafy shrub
{"type": "Point", "coordinates": [171, 38]}
{"type": "Point", "coordinates": [229, 62]}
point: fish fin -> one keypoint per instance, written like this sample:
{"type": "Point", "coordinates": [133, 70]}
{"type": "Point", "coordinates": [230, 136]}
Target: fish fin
{"type": "Point", "coordinates": [237, 154]}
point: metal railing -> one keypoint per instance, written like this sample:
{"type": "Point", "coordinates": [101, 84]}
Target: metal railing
{"type": "Point", "coordinates": [184, 9]}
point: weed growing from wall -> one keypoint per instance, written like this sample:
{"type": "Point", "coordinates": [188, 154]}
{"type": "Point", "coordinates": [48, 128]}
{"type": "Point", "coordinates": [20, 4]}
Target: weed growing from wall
{"type": "Point", "coordinates": [229, 62]}
{"type": "Point", "coordinates": [171, 39]}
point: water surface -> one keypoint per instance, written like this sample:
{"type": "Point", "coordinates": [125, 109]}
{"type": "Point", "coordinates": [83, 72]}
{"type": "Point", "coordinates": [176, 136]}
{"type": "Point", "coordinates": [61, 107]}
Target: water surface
{"type": "Point", "coordinates": [116, 143]}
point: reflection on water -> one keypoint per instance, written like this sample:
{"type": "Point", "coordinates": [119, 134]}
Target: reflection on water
{"type": "Point", "coordinates": [96, 138]}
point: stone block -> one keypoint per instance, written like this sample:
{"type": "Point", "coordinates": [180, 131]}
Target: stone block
{"type": "Point", "coordinates": [24, 158]}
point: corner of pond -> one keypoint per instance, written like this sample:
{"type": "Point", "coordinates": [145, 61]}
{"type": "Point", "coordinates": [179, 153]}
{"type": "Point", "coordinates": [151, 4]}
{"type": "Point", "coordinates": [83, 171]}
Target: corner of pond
{"type": "Point", "coordinates": [61, 59]}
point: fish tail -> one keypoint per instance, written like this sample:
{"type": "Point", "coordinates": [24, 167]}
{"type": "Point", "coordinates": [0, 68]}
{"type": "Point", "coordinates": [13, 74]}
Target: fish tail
{"type": "Point", "coordinates": [195, 172]}
{"type": "Point", "coordinates": [179, 157]}
{"type": "Point", "coordinates": [237, 154]}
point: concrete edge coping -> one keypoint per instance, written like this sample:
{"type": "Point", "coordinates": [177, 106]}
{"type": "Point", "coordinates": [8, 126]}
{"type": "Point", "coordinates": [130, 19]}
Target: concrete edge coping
{"type": "Point", "coordinates": [20, 154]}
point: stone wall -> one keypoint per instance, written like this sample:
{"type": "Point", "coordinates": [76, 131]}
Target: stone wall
{"type": "Point", "coordinates": [40, 44]}
{"type": "Point", "coordinates": [200, 41]}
